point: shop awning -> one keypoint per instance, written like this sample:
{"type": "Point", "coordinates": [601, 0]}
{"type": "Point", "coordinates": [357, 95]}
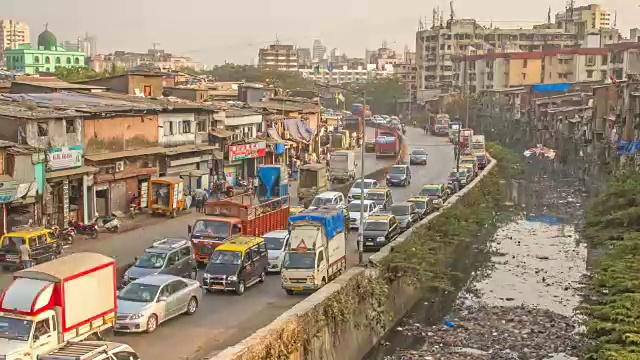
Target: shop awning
{"type": "Point", "coordinates": [194, 173]}
{"type": "Point", "coordinates": [273, 133]}
{"type": "Point", "coordinates": [221, 133]}
{"type": "Point", "coordinates": [70, 172]}
{"type": "Point", "coordinates": [188, 148]}
{"type": "Point", "coordinates": [218, 155]}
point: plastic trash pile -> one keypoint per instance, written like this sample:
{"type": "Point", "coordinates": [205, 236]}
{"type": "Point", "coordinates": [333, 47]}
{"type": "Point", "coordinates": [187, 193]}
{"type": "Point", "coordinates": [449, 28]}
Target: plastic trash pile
{"type": "Point", "coordinates": [540, 150]}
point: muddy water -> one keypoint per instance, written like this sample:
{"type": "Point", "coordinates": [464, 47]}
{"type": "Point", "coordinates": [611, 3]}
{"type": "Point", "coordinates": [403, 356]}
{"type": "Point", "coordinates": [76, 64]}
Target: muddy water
{"type": "Point", "coordinates": [518, 286]}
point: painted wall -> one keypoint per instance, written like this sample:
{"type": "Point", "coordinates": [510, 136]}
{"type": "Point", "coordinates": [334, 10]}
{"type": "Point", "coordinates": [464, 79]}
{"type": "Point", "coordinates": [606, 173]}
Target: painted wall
{"type": "Point", "coordinates": [57, 133]}
{"type": "Point", "coordinates": [525, 71]}
{"type": "Point", "coordinates": [33, 61]}
{"type": "Point", "coordinates": [173, 131]}
{"type": "Point", "coordinates": [120, 133]}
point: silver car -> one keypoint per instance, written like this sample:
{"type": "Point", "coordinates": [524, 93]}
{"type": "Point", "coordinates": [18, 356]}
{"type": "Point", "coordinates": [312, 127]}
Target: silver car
{"type": "Point", "coordinates": [147, 302]}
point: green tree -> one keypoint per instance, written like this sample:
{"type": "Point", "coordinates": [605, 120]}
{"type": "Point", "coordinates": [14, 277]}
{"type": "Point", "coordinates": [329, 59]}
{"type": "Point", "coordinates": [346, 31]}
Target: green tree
{"type": "Point", "coordinates": [382, 94]}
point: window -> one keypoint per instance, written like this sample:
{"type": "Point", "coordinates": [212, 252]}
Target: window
{"type": "Point", "coordinates": [589, 74]}
{"type": "Point", "coordinates": [185, 252]}
{"type": "Point", "coordinates": [603, 74]}
{"type": "Point", "coordinates": [147, 90]}
{"type": "Point", "coordinates": [173, 258]}
{"type": "Point", "coordinates": [320, 258]}
{"type": "Point", "coordinates": [76, 61]}
{"type": "Point", "coordinates": [42, 328]}
{"type": "Point", "coordinates": [58, 62]}
{"type": "Point", "coordinates": [36, 60]}
{"type": "Point", "coordinates": [247, 257]}
{"type": "Point", "coordinates": [186, 126]}
{"type": "Point", "coordinates": [605, 59]}
{"type": "Point", "coordinates": [525, 62]}
{"type": "Point", "coordinates": [47, 60]}
{"type": "Point", "coordinates": [70, 126]}
{"type": "Point", "coordinates": [524, 76]}
{"type": "Point", "coordinates": [169, 128]}
{"type": "Point", "coordinates": [43, 128]}
{"type": "Point", "coordinates": [33, 242]}
{"type": "Point", "coordinates": [201, 125]}
{"type": "Point", "coordinates": [68, 61]}
{"type": "Point", "coordinates": [126, 355]}
{"type": "Point", "coordinates": [178, 285]}
{"type": "Point", "coordinates": [590, 60]}
{"type": "Point", "coordinates": [442, 47]}
{"type": "Point", "coordinates": [255, 253]}
{"type": "Point", "coordinates": [448, 47]}
{"type": "Point", "coordinates": [263, 248]}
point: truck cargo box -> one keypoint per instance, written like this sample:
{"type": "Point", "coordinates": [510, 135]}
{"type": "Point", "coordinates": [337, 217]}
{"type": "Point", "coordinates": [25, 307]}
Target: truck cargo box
{"type": "Point", "coordinates": [332, 219]}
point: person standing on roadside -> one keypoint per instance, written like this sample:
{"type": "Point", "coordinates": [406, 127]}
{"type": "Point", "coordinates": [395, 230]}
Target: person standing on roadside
{"type": "Point", "coordinates": [25, 255]}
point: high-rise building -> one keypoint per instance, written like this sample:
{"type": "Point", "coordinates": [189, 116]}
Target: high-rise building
{"type": "Point", "coordinates": [278, 57]}
{"type": "Point", "coordinates": [12, 34]}
{"type": "Point", "coordinates": [304, 57]}
{"type": "Point", "coordinates": [319, 50]}
{"type": "Point", "coordinates": [86, 44]}
{"type": "Point", "coordinates": [592, 17]}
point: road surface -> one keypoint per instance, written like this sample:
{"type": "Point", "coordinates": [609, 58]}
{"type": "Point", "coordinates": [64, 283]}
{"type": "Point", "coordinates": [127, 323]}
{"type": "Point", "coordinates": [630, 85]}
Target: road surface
{"type": "Point", "coordinates": [222, 319]}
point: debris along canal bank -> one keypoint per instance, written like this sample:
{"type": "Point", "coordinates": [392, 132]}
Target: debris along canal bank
{"type": "Point", "coordinates": [514, 292]}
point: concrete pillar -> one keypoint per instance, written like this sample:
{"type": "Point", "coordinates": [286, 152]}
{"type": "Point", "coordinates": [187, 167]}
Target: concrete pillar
{"type": "Point", "coordinates": [85, 199]}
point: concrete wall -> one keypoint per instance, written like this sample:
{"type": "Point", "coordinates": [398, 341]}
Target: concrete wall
{"type": "Point", "coordinates": [171, 129]}
{"type": "Point", "coordinates": [356, 340]}
{"type": "Point", "coordinates": [57, 133]}
{"type": "Point", "coordinates": [120, 133]}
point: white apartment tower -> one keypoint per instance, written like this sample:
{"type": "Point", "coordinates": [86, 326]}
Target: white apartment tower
{"type": "Point", "coordinates": [12, 34]}
{"type": "Point", "coordinates": [319, 50]}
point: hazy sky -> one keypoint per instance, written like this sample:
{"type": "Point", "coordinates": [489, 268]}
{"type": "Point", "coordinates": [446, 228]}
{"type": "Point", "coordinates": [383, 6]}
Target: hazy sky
{"type": "Point", "coordinates": [215, 31]}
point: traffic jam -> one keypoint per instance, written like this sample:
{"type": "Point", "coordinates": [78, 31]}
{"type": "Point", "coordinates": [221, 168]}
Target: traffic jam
{"type": "Point", "coordinates": [232, 247]}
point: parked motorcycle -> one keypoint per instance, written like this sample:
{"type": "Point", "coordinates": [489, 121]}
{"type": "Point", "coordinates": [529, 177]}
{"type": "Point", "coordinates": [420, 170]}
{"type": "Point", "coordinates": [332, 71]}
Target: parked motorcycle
{"type": "Point", "coordinates": [65, 236]}
{"type": "Point", "coordinates": [90, 229]}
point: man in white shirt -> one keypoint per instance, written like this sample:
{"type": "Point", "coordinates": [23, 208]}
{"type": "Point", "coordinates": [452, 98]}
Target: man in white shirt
{"type": "Point", "coordinates": [25, 255]}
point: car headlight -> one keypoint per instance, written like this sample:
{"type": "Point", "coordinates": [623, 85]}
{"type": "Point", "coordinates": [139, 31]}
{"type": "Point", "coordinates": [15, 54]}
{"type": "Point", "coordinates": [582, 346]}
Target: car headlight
{"type": "Point", "coordinates": [137, 316]}
{"type": "Point", "coordinates": [232, 278]}
{"type": "Point", "coordinates": [381, 238]}
{"type": "Point", "coordinates": [126, 276]}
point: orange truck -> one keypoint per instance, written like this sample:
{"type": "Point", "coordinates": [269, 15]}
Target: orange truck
{"type": "Point", "coordinates": [236, 215]}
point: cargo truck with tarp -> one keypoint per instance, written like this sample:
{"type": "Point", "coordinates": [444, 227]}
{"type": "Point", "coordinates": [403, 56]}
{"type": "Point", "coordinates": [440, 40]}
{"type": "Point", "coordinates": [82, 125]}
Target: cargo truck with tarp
{"type": "Point", "coordinates": [317, 251]}
{"type": "Point", "coordinates": [51, 304]}
{"type": "Point", "coordinates": [387, 142]}
{"type": "Point", "coordinates": [479, 151]}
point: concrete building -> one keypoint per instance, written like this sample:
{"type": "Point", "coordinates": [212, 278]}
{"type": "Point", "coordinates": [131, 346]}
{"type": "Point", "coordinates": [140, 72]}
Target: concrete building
{"type": "Point", "coordinates": [278, 57]}
{"type": "Point", "coordinates": [319, 51]}
{"type": "Point", "coordinates": [153, 59]}
{"type": "Point", "coordinates": [384, 58]}
{"type": "Point", "coordinates": [345, 74]}
{"type": "Point", "coordinates": [12, 34]}
{"type": "Point", "coordinates": [304, 58]}
{"type": "Point", "coordinates": [134, 83]}
{"type": "Point", "coordinates": [439, 46]}
{"type": "Point", "coordinates": [406, 72]}
{"type": "Point", "coordinates": [593, 16]}
{"type": "Point", "coordinates": [86, 44]}
{"type": "Point", "coordinates": [44, 58]}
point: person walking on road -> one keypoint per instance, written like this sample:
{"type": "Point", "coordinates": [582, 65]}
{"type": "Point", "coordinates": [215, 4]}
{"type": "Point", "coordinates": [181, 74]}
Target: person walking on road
{"type": "Point", "coordinates": [201, 198]}
{"type": "Point", "coordinates": [25, 255]}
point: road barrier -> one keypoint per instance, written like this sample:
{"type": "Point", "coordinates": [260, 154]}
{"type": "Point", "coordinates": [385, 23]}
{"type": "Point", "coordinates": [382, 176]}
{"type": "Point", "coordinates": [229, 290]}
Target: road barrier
{"type": "Point", "coordinates": [286, 334]}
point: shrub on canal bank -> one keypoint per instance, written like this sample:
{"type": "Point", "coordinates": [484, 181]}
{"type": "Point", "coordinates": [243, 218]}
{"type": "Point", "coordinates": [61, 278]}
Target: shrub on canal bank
{"type": "Point", "coordinates": [612, 224]}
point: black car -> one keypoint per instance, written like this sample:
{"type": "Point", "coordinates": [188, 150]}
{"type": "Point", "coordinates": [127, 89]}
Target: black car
{"type": "Point", "coordinates": [406, 213]}
{"type": "Point", "coordinates": [380, 230]}
{"type": "Point", "coordinates": [462, 177]}
{"type": "Point", "coordinates": [399, 175]}
{"type": "Point", "coordinates": [424, 205]}
{"type": "Point", "coordinates": [418, 157]}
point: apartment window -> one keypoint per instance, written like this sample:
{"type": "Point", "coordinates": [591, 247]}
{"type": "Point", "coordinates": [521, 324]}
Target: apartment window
{"type": "Point", "coordinates": [525, 63]}
{"type": "Point", "coordinates": [47, 60]}
{"type": "Point", "coordinates": [70, 126]}
{"type": "Point", "coordinates": [169, 128]}
{"type": "Point", "coordinates": [524, 76]}
{"type": "Point", "coordinates": [201, 125]}
{"type": "Point", "coordinates": [442, 47]}
{"type": "Point", "coordinates": [448, 47]}
{"type": "Point", "coordinates": [603, 74]}
{"type": "Point", "coordinates": [605, 59]}
{"type": "Point", "coordinates": [43, 128]}
{"type": "Point", "coordinates": [186, 126]}
{"type": "Point", "coordinates": [590, 60]}
{"type": "Point", "coordinates": [490, 76]}
{"type": "Point", "coordinates": [589, 74]}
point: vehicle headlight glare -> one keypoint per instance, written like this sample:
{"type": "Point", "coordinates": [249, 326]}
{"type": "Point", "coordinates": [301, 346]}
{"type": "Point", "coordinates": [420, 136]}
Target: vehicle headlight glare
{"type": "Point", "coordinates": [232, 278]}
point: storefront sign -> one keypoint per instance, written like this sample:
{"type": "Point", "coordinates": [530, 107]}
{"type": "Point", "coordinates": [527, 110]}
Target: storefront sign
{"type": "Point", "coordinates": [247, 151]}
{"type": "Point", "coordinates": [64, 158]}
{"type": "Point", "coordinates": [8, 190]}
{"type": "Point", "coordinates": [65, 195]}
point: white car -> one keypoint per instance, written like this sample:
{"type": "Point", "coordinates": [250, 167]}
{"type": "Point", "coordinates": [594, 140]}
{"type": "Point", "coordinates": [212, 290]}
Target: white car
{"type": "Point", "coordinates": [277, 241]}
{"type": "Point", "coordinates": [328, 198]}
{"type": "Point", "coordinates": [354, 208]}
{"type": "Point", "coordinates": [354, 192]}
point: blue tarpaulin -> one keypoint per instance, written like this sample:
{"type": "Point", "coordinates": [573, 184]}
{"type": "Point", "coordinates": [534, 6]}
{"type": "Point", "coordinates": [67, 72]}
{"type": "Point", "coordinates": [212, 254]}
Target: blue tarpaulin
{"type": "Point", "coordinates": [562, 87]}
{"type": "Point", "coordinates": [628, 147]}
{"type": "Point", "coordinates": [332, 220]}
{"type": "Point", "coordinates": [279, 149]}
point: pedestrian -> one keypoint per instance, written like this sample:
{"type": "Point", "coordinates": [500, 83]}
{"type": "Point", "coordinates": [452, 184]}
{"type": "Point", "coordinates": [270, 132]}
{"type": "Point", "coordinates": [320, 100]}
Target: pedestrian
{"type": "Point", "coordinates": [25, 255]}
{"type": "Point", "coordinates": [256, 184]}
{"type": "Point", "coordinates": [200, 198]}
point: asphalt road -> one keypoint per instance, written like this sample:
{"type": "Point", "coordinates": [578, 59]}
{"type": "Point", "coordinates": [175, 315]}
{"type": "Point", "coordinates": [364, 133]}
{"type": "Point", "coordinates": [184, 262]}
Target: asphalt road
{"type": "Point", "coordinates": [223, 320]}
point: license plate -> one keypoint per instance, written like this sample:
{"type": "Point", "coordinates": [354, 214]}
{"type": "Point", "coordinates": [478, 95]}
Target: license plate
{"type": "Point", "coordinates": [219, 287]}
{"type": "Point", "coordinates": [297, 288]}
{"type": "Point", "coordinates": [369, 243]}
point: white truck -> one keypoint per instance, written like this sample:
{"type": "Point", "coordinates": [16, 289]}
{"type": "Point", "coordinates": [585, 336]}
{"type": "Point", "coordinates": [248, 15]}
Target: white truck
{"type": "Point", "coordinates": [342, 166]}
{"type": "Point", "coordinates": [60, 301]}
{"type": "Point", "coordinates": [317, 250]}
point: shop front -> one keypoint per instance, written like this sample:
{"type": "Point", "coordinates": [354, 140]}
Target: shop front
{"type": "Point", "coordinates": [8, 193]}
{"type": "Point", "coordinates": [113, 192]}
{"type": "Point", "coordinates": [244, 160]}
{"type": "Point", "coordinates": [66, 194]}
{"type": "Point", "coordinates": [193, 164]}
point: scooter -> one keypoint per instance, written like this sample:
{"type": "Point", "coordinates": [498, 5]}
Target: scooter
{"type": "Point", "coordinates": [65, 236]}
{"type": "Point", "coordinates": [111, 224]}
{"type": "Point", "coordinates": [90, 229]}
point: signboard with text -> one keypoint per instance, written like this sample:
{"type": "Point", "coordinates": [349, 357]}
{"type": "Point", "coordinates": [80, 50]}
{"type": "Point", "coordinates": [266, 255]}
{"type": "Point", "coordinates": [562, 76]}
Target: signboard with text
{"type": "Point", "coordinates": [247, 151]}
{"type": "Point", "coordinates": [8, 191]}
{"type": "Point", "coordinates": [64, 158]}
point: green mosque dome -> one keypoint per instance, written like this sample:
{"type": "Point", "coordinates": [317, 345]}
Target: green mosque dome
{"type": "Point", "coordinates": [47, 41]}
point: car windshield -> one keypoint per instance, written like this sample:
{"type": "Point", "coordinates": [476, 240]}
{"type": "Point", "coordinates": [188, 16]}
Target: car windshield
{"type": "Point", "coordinates": [375, 225]}
{"type": "Point", "coordinates": [455, 174]}
{"type": "Point", "coordinates": [401, 210]}
{"type": "Point", "coordinates": [355, 206]}
{"type": "Point", "coordinates": [375, 196]}
{"type": "Point", "coordinates": [397, 170]}
{"type": "Point", "coordinates": [430, 192]}
{"type": "Point", "coordinates": [151, 260]}
{"type": "Point", "coordinates": [211, 228]}
{"type": "Point", "coordinates": [420, 204]}
{"type": "Point", "coordinates": [226, 257]}
{"type": "Point", "coordinates": [320, 201]}
{"type": "Point", "coordinates": [274, 243]}
{"type": "Point", "coordinates": [299, 260]}
{"type": "Point", "coordinates": [367, 185]}
{"type": "Point", "coordinates": [15, 329]}
{"type": "Point", "coordinates": [462, 173]}
{"type": "Point", "coordinates": [419, 152]}
{"type": "Point", "coordinates": [139, 292]}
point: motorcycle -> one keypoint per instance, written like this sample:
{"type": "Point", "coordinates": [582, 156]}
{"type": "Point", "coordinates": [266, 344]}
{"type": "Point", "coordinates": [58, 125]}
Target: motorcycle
{"type": "Point", "coordinates": [90, 229]}
{"type": "Point", "coordinates": [134, 206]}
{"type": "Point", "coordinates": [65, 236]}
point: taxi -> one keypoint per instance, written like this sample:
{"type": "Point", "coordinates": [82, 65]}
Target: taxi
{"type": "Point", "coordinates": [380, 230]}
{"type": "Point", "coordinates": [424, 205]}
{"type": "Point", "coordinates": [295, 210]}
{"type": "Point", "coordinates": [381, 196]}
{"type": "Point", "coordinates": [436, 192]}
{"type": "Point", "coordinates": [470, 159]}
{"type": "Point", "coordinates": [43, 243]}
{"type": "Point", "coordinates": [236, 265]}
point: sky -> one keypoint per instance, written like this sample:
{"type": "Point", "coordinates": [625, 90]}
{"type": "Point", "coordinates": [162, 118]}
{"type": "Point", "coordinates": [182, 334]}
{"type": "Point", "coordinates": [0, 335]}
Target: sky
{"type": "Point", "coordinates": [213, 32]}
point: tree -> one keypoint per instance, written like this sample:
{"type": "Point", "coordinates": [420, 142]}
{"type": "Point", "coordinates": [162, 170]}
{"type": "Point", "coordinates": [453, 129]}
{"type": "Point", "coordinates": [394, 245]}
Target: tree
{"type": "Point", "coordinates": [80, 73]}
{"type": "Point", "coordinates": [382, 94]}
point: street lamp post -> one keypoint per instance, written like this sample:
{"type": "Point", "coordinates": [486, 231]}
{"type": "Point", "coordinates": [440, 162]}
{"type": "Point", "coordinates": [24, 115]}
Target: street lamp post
{"type": "Point", "coordinates": [362, 144]}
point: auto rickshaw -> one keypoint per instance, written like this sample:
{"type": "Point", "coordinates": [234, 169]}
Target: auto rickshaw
{"type": "Point", "coordinates": [166, 196]}
{"type": "Point", "coordinates": [43, 243]}
{"type": "Point", "coordinates": [295, 210]}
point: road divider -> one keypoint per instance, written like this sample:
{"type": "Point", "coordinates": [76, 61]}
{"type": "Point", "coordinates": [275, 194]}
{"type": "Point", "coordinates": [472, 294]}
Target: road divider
{"type": "Point", "coordinates": [345, 318]}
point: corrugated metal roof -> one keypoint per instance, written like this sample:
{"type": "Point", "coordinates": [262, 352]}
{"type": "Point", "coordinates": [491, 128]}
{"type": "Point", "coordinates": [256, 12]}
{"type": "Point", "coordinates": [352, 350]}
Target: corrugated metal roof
{"type": "Point", "coordinates": [16, 109]}
{"type": "Point", "coordinates": [60, 85]}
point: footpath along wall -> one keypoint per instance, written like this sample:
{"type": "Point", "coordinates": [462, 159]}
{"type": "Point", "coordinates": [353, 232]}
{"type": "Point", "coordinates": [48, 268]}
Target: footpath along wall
{"type": "Point", "coordinates": [347, 317]}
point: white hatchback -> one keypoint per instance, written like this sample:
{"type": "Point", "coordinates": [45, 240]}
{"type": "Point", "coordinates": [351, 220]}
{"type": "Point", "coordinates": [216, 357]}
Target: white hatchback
{"type": "Point", "coordinates": [277, 242]}
{"type": "Point", "coordinates": [370, 208]}
{"type": "Point", "coordinates": [354, 192]}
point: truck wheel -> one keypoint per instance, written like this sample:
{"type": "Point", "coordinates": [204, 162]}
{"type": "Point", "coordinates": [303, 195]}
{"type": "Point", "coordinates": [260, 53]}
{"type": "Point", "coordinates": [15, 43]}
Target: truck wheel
{"type": "Point", "coordinates": [240, 288]}
{"type": "Point", "coordinates": [192, 306]}
{"type": "Point", "coordinates": [152, 323]}
{"type": "Point", "coordinates": [263, 276]}
{"type": "Point", "coordinates": [289, 291]}
{"type": "Point", "coordinates": [323, 282]}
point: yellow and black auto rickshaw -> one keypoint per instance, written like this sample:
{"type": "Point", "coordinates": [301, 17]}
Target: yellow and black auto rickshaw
{"type": "Point", "coordinates": [43, 243]}
{"type": "Point", "coordinates": [166, 196]}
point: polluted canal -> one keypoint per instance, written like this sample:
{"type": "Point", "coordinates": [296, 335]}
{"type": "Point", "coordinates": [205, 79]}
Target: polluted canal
{"type": "Point", "coordinates": [517, 293]}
